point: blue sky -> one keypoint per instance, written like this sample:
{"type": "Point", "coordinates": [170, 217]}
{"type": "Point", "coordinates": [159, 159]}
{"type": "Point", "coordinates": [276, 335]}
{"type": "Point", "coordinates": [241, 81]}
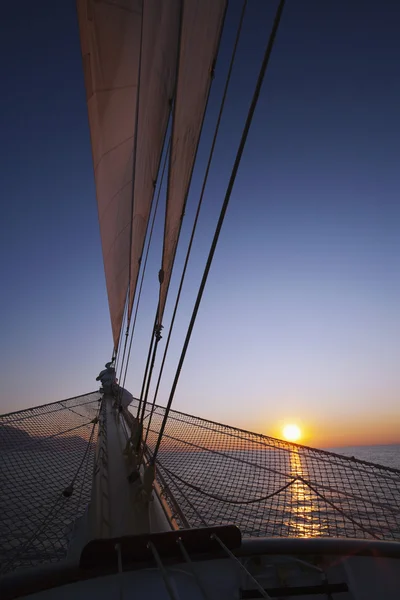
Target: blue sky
{"type": "Point", "coordinates": [300, 318]}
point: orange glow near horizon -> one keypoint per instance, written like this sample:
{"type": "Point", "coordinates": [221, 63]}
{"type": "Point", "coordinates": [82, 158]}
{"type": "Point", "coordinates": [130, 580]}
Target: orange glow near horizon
{"type": "Point", "coordinates": [336, 432]}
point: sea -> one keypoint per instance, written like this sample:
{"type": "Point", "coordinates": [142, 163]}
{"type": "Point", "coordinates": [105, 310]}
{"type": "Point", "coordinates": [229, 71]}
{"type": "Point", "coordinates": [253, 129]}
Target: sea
{"type": "Point", "coordinates": [387, 455]}
{"type": "Point", "coordinates": [289, 492]}
{"type": "Point", "coordinates": [294, 512]}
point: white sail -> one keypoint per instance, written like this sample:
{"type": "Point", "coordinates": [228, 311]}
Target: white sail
{"type": "Point", "coordinates": [161, 24]}
{"type": "Point", "coordinates": [201, 28]}
{"type": "Point", "coordinates": [110, 40]}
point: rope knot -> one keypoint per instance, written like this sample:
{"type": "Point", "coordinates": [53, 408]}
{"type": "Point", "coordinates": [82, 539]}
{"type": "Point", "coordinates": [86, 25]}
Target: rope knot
{"type": "Point", "coordinates": [157, 332]}
{"type": "Point", "coordinates": [67, 493]}
{"type": "Point", "coordinates": [134, 476]}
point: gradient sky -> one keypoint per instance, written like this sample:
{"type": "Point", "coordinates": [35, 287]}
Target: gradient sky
{"type": "Point", "coordinates": [300, 320]}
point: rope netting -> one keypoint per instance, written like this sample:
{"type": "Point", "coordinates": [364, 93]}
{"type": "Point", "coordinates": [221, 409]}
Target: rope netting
{"type": "Point", "coordinates": [46, 465]}
{"type": "Point", "coordinates": [218, 474]}
{"type": "Point", "coordinates": [210, 474]}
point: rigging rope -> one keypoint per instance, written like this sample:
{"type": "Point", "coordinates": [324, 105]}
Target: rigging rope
{"type": "Point", "coordinates": [118, 353]}
{"type": "Point", "coordinates": [192, 506]}
{"type": "Point", "coordinates": [320, 455]}
{"type": "Point", "coordinates": [78, 503]}
{"type": "Point", "coordinates": [157, 331]}
{"type": "Point", "coordinates": [158, 326]}
{"type": "Point", "coordinates": [72, 410]}
{"type": "Point", "coordinates": [95, 422]}
{"type": "Point", "coordinates": [200, 490]}
{"type": "Point", "coordinates": [146, 257]}
{"type": "Point", "coordinates": [135, 153]}
{"type": "Point", "coordinates": [47, 412]}
{"type": "Point", "coordinates": [63, 495]}
{"type": "Point", "coordinates": [232, 179]}
{"type": "Point", "coordinates": [147, 366]}
{"type": "Point", "coordinates": [126, 337]}
{"type": "Point", "coordinates": [40, 440]}
{"type": "Point", "coordinates": [157, 336]}
{"type": "Point", "coordinates": [168, 152]}
{"type": "Point", "coordinates": [268, 496]}
{"type": "Point", "coordinates": [133, 192]}
{"type": "Point", "coordinates": [199, 205]}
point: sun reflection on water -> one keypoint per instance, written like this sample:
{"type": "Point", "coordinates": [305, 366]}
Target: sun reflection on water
{"type": "Point", "coordinates": [304, 521]}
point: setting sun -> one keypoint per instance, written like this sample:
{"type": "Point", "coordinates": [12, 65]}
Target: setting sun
{"type": "Point", "coordinates": [291, 433]}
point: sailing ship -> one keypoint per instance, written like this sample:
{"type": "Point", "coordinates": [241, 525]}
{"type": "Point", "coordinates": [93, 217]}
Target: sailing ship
{"type": "Point", "coordinates": [104, 497]}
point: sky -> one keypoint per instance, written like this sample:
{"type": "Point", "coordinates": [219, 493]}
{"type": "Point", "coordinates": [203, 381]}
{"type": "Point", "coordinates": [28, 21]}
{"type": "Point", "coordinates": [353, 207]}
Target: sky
{"type": "Point", "coordinates": [300, 319]}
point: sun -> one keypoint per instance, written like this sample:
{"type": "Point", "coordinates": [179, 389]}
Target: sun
{"type": "Point", "coordinates": [291, 433]}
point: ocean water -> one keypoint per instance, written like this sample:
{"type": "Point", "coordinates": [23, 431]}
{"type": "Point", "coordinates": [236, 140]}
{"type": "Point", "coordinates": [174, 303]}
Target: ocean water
{"type": "Point", "coordinates": [25, 501]}
{"type": "Point", "coordinates": [286, 491]}
{"type": "Point", "coordinates": [388, 455]}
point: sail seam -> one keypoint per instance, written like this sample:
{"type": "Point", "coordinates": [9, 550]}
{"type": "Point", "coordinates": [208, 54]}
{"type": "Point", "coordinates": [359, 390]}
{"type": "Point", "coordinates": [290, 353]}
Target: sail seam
{"type": "Point", "coordinates": [111, 150]}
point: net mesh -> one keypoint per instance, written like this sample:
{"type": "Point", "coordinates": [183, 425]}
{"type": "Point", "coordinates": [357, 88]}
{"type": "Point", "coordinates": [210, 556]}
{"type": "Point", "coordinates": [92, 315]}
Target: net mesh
{"type": "Point", "coordinates": [44, 450]}
{"type": "Point", "coordinates": [210, 474]}
{"type": "Point", "coordinates": [215, 474]}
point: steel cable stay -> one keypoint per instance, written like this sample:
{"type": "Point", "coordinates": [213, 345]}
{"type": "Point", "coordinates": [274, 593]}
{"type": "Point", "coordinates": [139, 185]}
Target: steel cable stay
{"type": "Point", "coordinates": [158, 328]}
{"type": "Point", "coordinates": [117, 353]}
{"type": "Point", "coordinates": [228, 194]}
{"type": "Point", "coordinates": [157, 338]}
{"type": "Point", "coordinates": [133, 195]}
{"type": "Point", "coordinates": [146, 257]}
{"type": "Point", "coordinates": [146, 370]}
{"type": "Point", "coordinates": [136, 310]}
{"type": "Point", "coordinates": [181, 492]}
{"type": "Point", "coordinates": [199, 205]}
{"type": "Point", "coordinates": [148, 245]}
{"type": "Point", "coordinates": [135, 142]}
{"type": "Point", "coordinates": [126, 336]}
{"type": "Point", "coordinates": [167, 156]}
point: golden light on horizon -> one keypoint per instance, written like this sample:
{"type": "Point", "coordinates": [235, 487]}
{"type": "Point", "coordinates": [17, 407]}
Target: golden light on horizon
{"type": "Point", "coordinates": [291, 432]}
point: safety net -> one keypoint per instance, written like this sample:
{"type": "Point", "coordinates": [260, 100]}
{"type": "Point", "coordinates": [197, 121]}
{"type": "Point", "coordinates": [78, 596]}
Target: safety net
{"type": "Point", "coordinates": [46, 465]}
{"type": "Point", "coordinates": [215, 474]}
{"type": "Point", "coordinates": [208, 473]}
